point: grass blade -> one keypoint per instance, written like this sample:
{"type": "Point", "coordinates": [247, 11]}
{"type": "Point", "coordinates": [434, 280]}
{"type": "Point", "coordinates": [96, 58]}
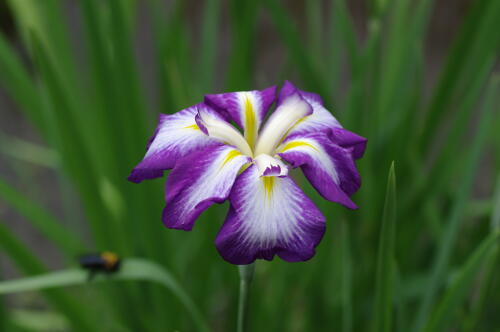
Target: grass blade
{"type": "Point", "coordinates": [462, 284]}
{"type": "Point", "coordinates": [3, 311]}
{"type": "Point", "coordinates": [314, 28]}
{"type": "Point", "coordinates": [35, 320]}
{"type": "Point", "coordinates": [29, 264]}
{"type": "Point", "coordinates": [478, 32]}
{"type": "Point", "coordinates": [28, 151]}
{"type": "Point", "coordinates": [241, 63]}
{"type": "Point", "coordinates": [132, 269]}
{"type": "Point", "coordinates": [72, 149]}
{"type": "Point", "coordinates": [438, 176]}
{"type": "Point", "coordinates": [455, 218]}
{"type": "Point", "coordinates": [209, 44]}
{"type": "Point", "coordinates": [17, 82]}
{"type": "Point", "coordinates": [383, 305]}
{"type": "Point", "coordinates": [311, 75]}
{"type": "Point", "coordinates": [471, 324]}
{"type": "Point", "coordinates": [346, 288]}
{"type": "Point", "coordinates": [342, 22]}
{"type": "Point", "coordinates": [42, 220]}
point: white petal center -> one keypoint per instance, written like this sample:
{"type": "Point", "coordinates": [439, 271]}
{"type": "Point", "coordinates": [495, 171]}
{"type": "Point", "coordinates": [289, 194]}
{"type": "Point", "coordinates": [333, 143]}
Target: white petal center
{"type": "Point", "coordinates": [221, 130]}
{"type": "Point", "coordinates": [284, 117]}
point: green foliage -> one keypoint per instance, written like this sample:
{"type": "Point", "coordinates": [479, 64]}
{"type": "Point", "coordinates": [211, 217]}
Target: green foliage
{"type": "Point", "coordinates": [382, 312]}
{"type": "Point", "coordinates": [436, 263]}
{"type": "Point", "coordinates": [132, 269]}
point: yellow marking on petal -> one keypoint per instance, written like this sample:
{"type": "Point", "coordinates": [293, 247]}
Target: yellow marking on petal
{"type": "Point", "coordinates": [230, 156]}
{"type": "Point", "coordinates": [244, 168]}
{"type": "Point", "coordinates": [268, 185]}
{"type": "Point", "coordinates": [299, 121]}
{"type": "Point", "coordinates": [250, 122]}
{"type": "Point", "coordinates": [296, 144]}
{"type": "Point", "coordinates": [193, 126]}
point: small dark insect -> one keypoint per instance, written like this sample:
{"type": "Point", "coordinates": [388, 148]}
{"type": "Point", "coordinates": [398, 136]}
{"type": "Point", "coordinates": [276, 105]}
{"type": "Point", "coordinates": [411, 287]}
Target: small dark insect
{"type": "Point", "coordinates": [106, 262]}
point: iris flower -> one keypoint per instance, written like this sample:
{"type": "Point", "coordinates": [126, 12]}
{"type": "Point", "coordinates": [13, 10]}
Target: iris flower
{"type": "Point", "coordinates": [212, 162]}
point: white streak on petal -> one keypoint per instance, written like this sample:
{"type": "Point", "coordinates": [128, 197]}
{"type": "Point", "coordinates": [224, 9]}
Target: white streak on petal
{"type": "Point", "coordinates": [199, 181]}
{"type": "Point", "coordinates": [178, 132]}
{"type": "Point", "coordinates": [320, 119]}
{"type": "Point", "coordinates": [312, 148]}
{"type": "Point", "coordinates": [272, 213]}
{"type": "Point", "coordinates": [223, 131]}
{"type": "Point", "coordinates": [284, 117]}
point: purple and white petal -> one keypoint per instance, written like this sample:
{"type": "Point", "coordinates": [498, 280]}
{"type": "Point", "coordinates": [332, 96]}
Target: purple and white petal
{"type": "Point", "coordinates": [270, 166]}
{"type": "Point", "coordinates": [291, 109]}
{"type": "Point", "coordinates": [348, 139]}
{"type": "Point", "coordinates": [198, 181]}
{"type": "Point", "coordinates": [320, 119]}
{"type": "Point", "coordinates": [176, 136]}
{"type": "Point", "coordinates": [269, 216]}
{"type": "Point", "coordinates": [288, 89]}
{"type": "Point", "coordinates": [212, 124]}
{"type": "Point", "coordinates": [329, 167]}
{"type": "Point", "coordinates": [247, 108]}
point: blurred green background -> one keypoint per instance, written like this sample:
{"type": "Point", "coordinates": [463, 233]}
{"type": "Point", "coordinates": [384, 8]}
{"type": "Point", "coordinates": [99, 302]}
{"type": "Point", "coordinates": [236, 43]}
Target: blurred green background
{"type": "Point", "coordinates": [82, 84]}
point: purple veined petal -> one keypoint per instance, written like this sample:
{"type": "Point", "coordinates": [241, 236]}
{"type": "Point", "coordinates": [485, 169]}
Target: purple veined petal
{"type": "Point", "coordinates": [348, 139]}
{"type": "Point", "coordinates": [247, 108]}
{"type": "Point", "coordinates": [198, 181]}
{"type": "Point", "coordinates": [269, 216]}
{"type": "Point", "coordinates": [322, 120]}
{"type": "Point", "coordinates": [176, 136]}
{"type": "Point", "coordinates": [288, 89]}
{"type": "Point", "coordinates": [329, 167]}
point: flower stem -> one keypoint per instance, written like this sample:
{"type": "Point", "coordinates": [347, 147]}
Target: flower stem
{"type": "Point", "coordinates": [246, 275]}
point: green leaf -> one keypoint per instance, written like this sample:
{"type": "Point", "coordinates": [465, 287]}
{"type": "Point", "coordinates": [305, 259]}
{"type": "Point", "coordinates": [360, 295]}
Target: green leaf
{"type": "Point", "coordinates": [169, 30]}
{"type": "Point", "coordinates": [105, 93]}
{"type": "Point", "coordinates": [3, 311]}
{"type": "Point", "coordinates": [17, 82]}
{"type": "Point", "coordinates": [461, 285]}
{"type": "Point", "coordinates": [438, 176]}
{"type": "Point", "coordinates": [72, 149]}
{"type": "Point", "coordinates": [346, 277]}
{"type": "Point", "coordinates": [343, 25]}
{"type": "Point", "coordinates": [30, 264]}
{"type": "Point", "coordinates": [441, 261]}
{"type": "Point", "coordinates": [131, 269]}
{"type": "Point", "coordinates": [28, 151]}
{"type": "Point", "coordinates": [36, 320]}
{"type": "Point", "coordinates": [343, 41]}
{"type": "Point", "coordinates": [384, 288]}
{"type": "Point", "coordinates": [209, 44]}
{"type": "Point", "coordinates": [311, 75]}
{"type": "Point", "coordinates": [243, 44]}
{"type": "Point", "coordinates": [489, 271]}
{"type": "Point", "coordinates": [126, 71]}
{"type": "Point", "coordinates": [476, 42]}
{"type": "Point", "coordinates": [42, 220]}
{"type": "Point", "coordinates": [314, 28]}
